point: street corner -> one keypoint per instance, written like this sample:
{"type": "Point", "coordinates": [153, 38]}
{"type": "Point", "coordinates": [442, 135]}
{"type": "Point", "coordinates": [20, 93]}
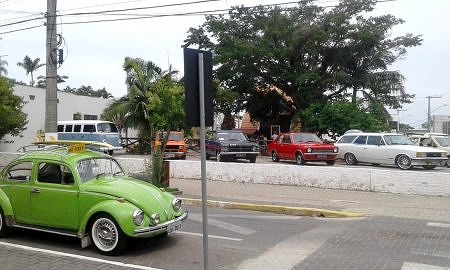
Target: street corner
{"type": "Point", "coordinates": [279, 209]}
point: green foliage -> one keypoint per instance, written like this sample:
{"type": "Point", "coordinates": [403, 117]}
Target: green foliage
{"type": "Point", "coordinates": [85, 90]}
{"type": "Point", "coordinates": [12, 119]}
{"type": "Point", "coordinates": [334, 118]}
{"type": "Point", "coordinates": [155, 102]}
{"type": "Point", "coordinates": [311, 54]}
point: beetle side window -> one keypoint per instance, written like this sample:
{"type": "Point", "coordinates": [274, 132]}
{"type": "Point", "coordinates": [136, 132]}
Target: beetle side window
{"type": "Point", "coordinates": [21, 172]}
{"type": "Point", "coordinates": [361, 140]}
{"type": "Point", "coordinates": [55, 174]}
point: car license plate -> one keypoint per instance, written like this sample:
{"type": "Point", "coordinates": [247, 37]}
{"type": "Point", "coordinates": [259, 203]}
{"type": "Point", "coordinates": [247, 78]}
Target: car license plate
{"type": "Point", "coordinates": [240, 155]}
{"type": "Point", "coordinates": [321, 156]}
{"type": "Point", "coordinates": [170, 155]}
{"type": "Point", "coordinates": [173, 227]}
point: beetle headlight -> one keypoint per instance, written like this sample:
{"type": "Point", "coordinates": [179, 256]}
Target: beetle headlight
{"type": "Point", "coordinates": [138, 217]}
{"type": "Point", "coordinates": [154, 219]}
{"type": "Point", "coordinates": [309, 150]}
{"type": "Point", "coordinates": [176, 204]}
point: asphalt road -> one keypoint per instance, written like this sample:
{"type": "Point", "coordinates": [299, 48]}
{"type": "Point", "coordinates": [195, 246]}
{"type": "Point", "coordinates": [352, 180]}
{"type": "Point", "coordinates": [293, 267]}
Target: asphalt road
{"type": "Point", "coordinates": [251, 240]}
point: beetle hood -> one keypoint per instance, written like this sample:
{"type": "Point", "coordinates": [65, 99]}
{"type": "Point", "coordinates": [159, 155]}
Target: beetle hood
{"type": "Point", "coordinates": [146, 196]}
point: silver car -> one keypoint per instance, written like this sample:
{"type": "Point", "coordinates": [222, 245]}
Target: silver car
{"type": "Point", "coordinates": [389, 149]}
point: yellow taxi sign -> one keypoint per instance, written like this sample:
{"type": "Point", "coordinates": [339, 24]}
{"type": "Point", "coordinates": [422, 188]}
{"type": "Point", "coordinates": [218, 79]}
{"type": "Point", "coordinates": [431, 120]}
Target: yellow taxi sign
{"type": "Point", "coordinates": [76, 148]}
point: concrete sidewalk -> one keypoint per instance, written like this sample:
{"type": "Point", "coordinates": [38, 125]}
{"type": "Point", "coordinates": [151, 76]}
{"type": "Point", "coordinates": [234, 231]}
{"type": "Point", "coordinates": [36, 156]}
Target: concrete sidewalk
{"type": "Point", "coordinates": [367, 203]}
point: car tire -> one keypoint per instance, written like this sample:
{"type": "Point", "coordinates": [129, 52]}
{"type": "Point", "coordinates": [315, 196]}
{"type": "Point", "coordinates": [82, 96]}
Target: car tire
{"type": "Point", "coordinates": [403, 162]}
{"type": "Point", "coordinates": [350, 159]}
{"type": "Point", "coordinates": [3, 227]}
{"type": "Point", "coordinates": [218, 156]}
{"type": "Point", "coordinates": [429, 167]}
{"type": "Point", "coordinates": [299, 159]}
{"type": "Point", "coordinates": [448, 163]}
{"type": "Point", "coordinates": [275, 157]}
{"type": "Point", "coordinates": [107, 236]}
{"type": "Point", "coordinates": [252, 159]}
{"type": "Point", "coordinates": [331, 162]}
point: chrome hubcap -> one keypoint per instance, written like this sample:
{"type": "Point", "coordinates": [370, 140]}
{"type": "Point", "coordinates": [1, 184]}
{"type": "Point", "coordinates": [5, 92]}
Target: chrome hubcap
{"type": "Point", "coordinates": [104, 234]}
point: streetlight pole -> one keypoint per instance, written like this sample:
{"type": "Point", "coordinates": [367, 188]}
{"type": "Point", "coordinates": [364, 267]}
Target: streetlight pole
{"type": "Point", "coordinates": [51, 99]}
{"type": "Point", "coordinates": [429, 112]}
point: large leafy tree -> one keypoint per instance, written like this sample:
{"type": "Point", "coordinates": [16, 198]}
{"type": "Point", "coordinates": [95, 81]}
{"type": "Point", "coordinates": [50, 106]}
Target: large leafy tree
{"type": "Point", "coordinates": [281, 60]}
{"type": "Point", "coordinates": [12, 119]}
{"type": "Point", "coordinates": [30, 66]}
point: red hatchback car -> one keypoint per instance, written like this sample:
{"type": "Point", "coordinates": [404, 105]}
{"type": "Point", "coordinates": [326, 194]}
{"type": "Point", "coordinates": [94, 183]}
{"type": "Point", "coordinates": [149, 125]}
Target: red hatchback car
{"type": "Point", "coordinates": [302, 147]}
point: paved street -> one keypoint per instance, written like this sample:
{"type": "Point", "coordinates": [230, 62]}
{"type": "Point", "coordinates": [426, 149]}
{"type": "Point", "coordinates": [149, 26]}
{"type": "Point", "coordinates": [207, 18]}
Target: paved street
{"type": "Point", "coordinates": [248, 240]}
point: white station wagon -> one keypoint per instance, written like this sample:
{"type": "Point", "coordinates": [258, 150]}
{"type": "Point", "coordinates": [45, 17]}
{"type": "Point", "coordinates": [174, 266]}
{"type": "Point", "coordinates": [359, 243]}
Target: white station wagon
{"type": "Point", "coordinates": [389, 149]}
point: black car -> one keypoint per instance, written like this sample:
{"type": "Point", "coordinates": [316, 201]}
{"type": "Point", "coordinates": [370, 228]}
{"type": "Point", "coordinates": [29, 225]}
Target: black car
{"type": "Point", "coordinates": [230, 145]}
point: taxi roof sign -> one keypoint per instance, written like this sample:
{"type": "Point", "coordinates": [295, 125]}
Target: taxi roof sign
{"type": "Point", "coordinates": [74, 148]}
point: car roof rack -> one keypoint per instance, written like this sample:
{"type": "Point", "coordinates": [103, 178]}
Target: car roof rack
{"type": "Point", "coordinates": [40, 147]}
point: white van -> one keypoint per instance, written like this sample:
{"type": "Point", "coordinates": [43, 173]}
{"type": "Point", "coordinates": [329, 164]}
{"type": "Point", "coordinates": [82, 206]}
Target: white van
{"type": "Point", "coordinates": [90, 130]}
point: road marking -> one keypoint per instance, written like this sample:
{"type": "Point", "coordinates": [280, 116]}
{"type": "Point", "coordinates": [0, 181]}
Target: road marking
{"type": "Point", "coordinates": [439, 225]}
{"type": "Point", "coordinates": [419, 266]}
{"type": "Point", "coordinates": [210, 236]}
{"type": "Point", "coordinates": [272, 217]}
{"type": "Point", "coordinates": [223, 225]}
{"type": "Point", "coordinates": [343, 201]}
{"type": "Point", "coordinates": [292, 251]}
{"type": "Point", "coordinates": [432, 253]}
{"type": "Point", "coordinates": [81, 257]}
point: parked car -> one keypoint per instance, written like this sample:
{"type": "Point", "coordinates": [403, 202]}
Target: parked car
{"type": "Point", "coordinates": [176, 145]}
{"type": "Point", "coordinates": [389, 149]}
{"type": "Point", "coordinates": [302, 147]}
{"type": "Point", "coordinates": [85, 194]}
{"type": "Point", "coordinates": [230, 145]}
{"type": "Point", "coordinates": [436, 140]}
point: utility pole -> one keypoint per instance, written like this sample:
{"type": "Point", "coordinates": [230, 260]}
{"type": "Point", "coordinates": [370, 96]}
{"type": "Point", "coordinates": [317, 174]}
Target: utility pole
{"type": "Point", "coordinates": [51, 98]}
{"type": "Point", "coordinates": [429, 112]}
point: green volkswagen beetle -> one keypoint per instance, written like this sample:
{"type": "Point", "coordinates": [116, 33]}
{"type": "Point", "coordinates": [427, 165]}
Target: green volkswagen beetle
{"type": "Point", "coordinates": [84, 194]}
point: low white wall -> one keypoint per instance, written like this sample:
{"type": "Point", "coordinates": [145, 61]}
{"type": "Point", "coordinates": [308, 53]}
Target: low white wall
{"type": "Point", "coordinates": [333, 177]}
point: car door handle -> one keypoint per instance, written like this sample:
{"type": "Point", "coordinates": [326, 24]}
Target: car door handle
{"type": "Point", "coordinates": [35, 190]}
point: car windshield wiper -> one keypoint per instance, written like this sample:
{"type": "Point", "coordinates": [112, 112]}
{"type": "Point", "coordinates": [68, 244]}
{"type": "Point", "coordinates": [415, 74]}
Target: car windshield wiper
{"type": "Point", "coordinates": [99, 175]}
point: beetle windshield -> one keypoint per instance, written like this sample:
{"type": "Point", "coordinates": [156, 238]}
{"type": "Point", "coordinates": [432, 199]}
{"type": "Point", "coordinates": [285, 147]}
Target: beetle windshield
{"type": "Point", "coordinates": [231, 136]}
{"type": "Point", "coordinates": [443, 141]}
{"type": "Point", "coordinates": [396, 139]}
{"type": "Point", "coordinates": [95, 167]}
{"type": "Point", "coordinates": [306, 137]}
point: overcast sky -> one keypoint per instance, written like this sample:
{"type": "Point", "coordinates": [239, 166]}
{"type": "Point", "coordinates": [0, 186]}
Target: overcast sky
{"type": "Point", "coordinates": [94, 52]}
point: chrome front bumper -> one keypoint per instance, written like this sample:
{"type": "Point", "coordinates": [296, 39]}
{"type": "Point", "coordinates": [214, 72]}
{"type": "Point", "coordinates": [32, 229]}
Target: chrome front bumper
{"type": "Point", "coordinates": [428, 161]}
{"type": "Point", "coordinates": [169, 227]}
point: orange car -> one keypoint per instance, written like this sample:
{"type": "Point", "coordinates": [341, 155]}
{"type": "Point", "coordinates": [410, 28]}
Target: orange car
{"type": "Point", "coordinates": [176, 146]}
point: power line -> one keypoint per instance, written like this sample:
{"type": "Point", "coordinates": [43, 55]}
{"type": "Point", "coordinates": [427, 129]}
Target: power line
{"type": "Point", "coordinates": [145, 16]}
{"type": "Point", "coordinates": [21, 29]}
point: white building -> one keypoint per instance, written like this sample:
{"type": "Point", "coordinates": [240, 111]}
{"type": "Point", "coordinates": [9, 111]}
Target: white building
{"type": "Point", "coordinates": [69, 104]}
{"type": "Point", "coordinates": [440, 124]}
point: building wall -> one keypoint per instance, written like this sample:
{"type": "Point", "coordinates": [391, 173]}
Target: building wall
{"type": "Point", "coordinates": [68, 104]}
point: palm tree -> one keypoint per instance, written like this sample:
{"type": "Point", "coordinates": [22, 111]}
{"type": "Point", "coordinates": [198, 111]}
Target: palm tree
{"type": "Point", "coordinates": [30, 66]}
